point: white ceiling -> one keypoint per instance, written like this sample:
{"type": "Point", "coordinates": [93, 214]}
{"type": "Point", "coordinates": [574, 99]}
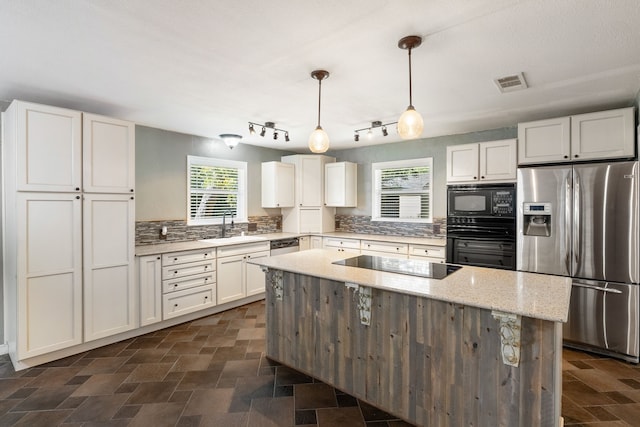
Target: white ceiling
{"type": "Point", "coordinates": [207, 67]}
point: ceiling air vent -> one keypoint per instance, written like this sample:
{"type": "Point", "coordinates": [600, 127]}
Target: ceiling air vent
{"type": "Point", "coordinates": [511, 83]}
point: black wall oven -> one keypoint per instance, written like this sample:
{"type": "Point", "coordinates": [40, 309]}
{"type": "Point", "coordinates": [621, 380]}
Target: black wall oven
{"type": "Point", "coordinates": [481, 225]}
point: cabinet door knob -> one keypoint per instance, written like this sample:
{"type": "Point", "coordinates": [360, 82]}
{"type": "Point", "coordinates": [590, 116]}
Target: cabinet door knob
{"type": "Point", "coordinates": [175, 272]}
{"type": "Point", "coordinates": [566, 157]}
{"type": "Point", "coordinates": [77, 197]}
{"type": "Point", "coordinates": [206, 297]}
{"type": "Point", "coordinates": [175, 259]}
{"type": "Point", "coordinates": [475, 177]}
{"type": "Point", "coordinates": [132, 190]}
{"type": "Point", "coordinates": [576, 156]}
{"type": "Point", "coordinates": [482, 177]}
{"type": "Point", "coordinates": [131, 197]}
{"type": "Point", "coordinates": [77, 188]}
{"type": "Point", "coordinates": [175, 285]}
{"type": "Point", "coordinates": [158, 258]}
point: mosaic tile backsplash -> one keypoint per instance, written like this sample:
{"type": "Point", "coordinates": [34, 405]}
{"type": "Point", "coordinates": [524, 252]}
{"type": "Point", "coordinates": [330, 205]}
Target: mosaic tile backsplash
{"type": "Point", "coordinates": [148, 232]}
{"type": "Point", "coordinates": [363, 224]}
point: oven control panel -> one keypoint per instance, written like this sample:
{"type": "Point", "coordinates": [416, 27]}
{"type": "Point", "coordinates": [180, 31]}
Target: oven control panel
{"type": "Point", "coordinates": [502, 202]}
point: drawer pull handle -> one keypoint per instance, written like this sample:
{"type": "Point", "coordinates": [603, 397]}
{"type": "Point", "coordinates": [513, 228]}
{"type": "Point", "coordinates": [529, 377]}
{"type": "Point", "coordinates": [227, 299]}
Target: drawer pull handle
{"type": "Point", "coordinates": [426, 251]}
{"type": "Point", "coordinates": [206, 297]}
{"type": "Point", "coordinates": [175, 285]}
{"type": "Point", "coordinates": [175, 305]}
{"type": "Point", "coordinates": [206, 278]}
{"type": "Point", "coordinates": [175, 272]}
{"type": "Point", "coordinates": [175, 259]}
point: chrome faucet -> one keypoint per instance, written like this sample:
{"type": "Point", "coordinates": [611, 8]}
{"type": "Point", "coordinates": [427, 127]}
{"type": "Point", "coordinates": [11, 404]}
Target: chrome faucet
{"type": "Point", "coordinates": [224, 221]}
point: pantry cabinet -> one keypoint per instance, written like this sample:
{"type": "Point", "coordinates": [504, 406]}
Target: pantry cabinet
{"type": "Point", "coordinates": [484, 162]}
{"type": "Point", "coordinates": [340, 184]}
{"type": "Point", "coordinates": [58, 207]}
{"type": "Point", "coordinates": [310, 213]}
{"type": "Point", "coordinates": [278, 185]}
{"type": "Point", "coordinates": [600, 135]}
{"type": "Point", "coordinates": [236, 278]}
{"type": "Point", "coordinates": [110, 304]}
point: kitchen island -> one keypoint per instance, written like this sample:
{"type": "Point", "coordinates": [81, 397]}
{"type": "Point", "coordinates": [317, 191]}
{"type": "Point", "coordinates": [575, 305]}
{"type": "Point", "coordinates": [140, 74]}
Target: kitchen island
{"type": "Point", "coordinates": [479, 347]}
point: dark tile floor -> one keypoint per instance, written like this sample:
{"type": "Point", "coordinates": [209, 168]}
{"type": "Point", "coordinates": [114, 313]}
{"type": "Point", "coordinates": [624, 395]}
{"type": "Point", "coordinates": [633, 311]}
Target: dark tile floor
{"type": "Point", "coordinates": [212, 372]}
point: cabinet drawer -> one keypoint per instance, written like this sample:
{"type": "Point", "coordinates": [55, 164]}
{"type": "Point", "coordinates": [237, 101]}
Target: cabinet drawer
{"type": "Point", "coordinates": [188, 282]}
{"type": "Point", "coordinates": [427, 251]}
{"type": "Point", "coordinates": [334, 242]}
{"type": "Point", "coordinates": [232, 250]}
{"type": "Point", "coordinates": [172, 272]}
{"type": "Point", "coordinates": [187, 301]}
{"type": "Point", "coordinates": [187, 256]}
{"type": "Point", "coordinates": [389, 247]}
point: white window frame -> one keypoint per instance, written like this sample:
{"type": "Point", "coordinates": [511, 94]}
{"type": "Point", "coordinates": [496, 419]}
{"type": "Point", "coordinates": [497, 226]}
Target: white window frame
{"type": "Point", "coordinates": [376, 170]}
{"type": "Point", "coordinates": [241, 195]}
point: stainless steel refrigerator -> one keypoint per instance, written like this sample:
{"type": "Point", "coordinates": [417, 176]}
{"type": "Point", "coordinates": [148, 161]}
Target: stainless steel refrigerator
{"type": "Point", "coordinates": [581, 221]}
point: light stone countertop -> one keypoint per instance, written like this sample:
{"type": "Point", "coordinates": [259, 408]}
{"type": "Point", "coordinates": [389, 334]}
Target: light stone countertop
{"type": "Point", "coordinates": [161, 248]}
{"type": "Point", "coordinates": [527, 294]}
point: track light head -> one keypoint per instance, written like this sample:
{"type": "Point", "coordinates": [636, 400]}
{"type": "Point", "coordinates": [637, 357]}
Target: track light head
{"type": "Point", "coordinates": [384, 131]}
{"type": "Point", "coordinates": [356, 137]}
{"type": "Point", "coordinates": [286, 137]}
{"type": "Point", "coordinates": [275, 134]}
{"type": "Point", "coordinates": [252, 131]}
{"type": "Point", "coordinates": [263, 131]}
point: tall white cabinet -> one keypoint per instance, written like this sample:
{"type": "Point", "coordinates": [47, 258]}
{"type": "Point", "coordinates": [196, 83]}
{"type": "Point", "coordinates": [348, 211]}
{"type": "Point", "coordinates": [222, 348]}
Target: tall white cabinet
{"type": "Point", "coordinates": [310, 213]}
{"type": "Point", "coordinates": [68, 226]}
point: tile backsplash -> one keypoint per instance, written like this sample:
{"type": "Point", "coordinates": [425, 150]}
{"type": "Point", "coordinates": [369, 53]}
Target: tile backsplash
{"type": "Point", "coordinates": [363, 224]}
{"type": "Point", "coordinates": [148, 232]}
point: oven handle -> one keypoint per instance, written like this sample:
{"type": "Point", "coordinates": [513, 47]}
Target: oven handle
{"type": "Point", "coordinates": [597, 288]}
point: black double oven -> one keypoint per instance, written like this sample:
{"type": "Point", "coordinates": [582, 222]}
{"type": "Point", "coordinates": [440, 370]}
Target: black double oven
{"type": "Point", "coordinates": [481, 225]}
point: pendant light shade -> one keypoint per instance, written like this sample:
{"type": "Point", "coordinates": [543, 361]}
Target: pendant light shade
{"type": "Point", "coordinates": [410, 123]}
{"type": "Point", "coordinates": [319, 140]}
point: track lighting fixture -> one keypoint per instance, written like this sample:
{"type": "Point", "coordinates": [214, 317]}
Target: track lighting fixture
{"type": "Point", "coordinates": [230, 139]}
{"type": "Point", "coordinates": [319, 140]}
{"type": "Point", "coordinates": [374, 125]}
{"type": "Point", "coordinates": [268, 125]}
{"type": "Point", "coordinates": [410, 123]}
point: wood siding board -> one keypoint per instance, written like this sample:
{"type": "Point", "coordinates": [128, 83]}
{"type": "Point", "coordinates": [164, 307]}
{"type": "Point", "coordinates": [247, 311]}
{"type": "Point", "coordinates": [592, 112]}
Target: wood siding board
{"type": "Point", "coordinates": [417, 360]}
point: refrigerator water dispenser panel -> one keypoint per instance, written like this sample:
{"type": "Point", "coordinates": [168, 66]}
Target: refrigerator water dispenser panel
{"type": "Point", "coordinates": [537, 219]}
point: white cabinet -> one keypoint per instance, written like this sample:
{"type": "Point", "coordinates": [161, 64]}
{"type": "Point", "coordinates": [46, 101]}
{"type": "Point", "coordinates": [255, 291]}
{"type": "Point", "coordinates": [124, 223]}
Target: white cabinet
{"type": "Point", "coordinates": [236, 278]}
{"type": "Point", "coordinates": [108, 150]}
{"type": "Point", "coordinates": [340, 184]}
{"type": "Point", "coordinates": [110, 304]}
{"type": "Point", "coordinates": [348, 246]}
{"type": "Point", "coordinates": [56, 211]}
{"type": "Point", "coordinates": [48, 146]}
{"type": "Point", "coordinates": [492, 161]}
{"type": "Point", "coordinates": [149, 272]}
{"type": "Point", "coordinates": [429, 253]}
{"type": "Point", "coordinates": [304, 243]}
{"type": "Point", "coordinates": [278, 185]}
{"type": "Point", "coordinates": [316, 242]}
{"type": "Point", "coordinates": [600, 135]}
{"type": "Point", "coordinates": [188, 282]}
{"type": "Point", "coordinates": [384, 249]}
{"type": "Point", "coordinates": [44, 295]}
{"type": "Point", "coordinates": [309, 214]}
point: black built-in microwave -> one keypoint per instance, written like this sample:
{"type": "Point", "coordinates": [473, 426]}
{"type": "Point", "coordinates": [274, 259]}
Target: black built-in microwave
{"type": "Point", "coordinates": [490, 200]}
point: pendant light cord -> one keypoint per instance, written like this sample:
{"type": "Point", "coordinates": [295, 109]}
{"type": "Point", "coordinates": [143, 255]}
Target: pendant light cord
{"type": "Point", "coordinates": [319, 98]}
{"type": "Point", "coordinates": [410, 92]}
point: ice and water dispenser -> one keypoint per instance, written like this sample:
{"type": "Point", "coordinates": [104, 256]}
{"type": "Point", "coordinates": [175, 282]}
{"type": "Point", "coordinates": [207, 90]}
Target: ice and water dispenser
{"type": "Point", "coordinates": [537, 219]}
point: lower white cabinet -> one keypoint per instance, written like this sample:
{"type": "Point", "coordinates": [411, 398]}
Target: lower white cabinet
{"type": "Point", "coordinates": [236, 278]}
{"type": "Point", "coordinates": [384, 249]}
{"type": "Point", "coordinates": [428, 253]}
{"type": "Point", "coordinates": [149, 270]}
{"type": "Point", "coordinates": [110, 300]}
{"type": "Point", "coordinates": [316, 242]}
{"type": "Point", "coordinates": [348, 246]}
{"type": "Point", "coordinates": [188, 282]}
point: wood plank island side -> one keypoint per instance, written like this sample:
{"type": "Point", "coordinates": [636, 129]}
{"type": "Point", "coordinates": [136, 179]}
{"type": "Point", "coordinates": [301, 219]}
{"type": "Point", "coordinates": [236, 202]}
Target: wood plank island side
{"type": "Point", "coordinates": [429, 362]}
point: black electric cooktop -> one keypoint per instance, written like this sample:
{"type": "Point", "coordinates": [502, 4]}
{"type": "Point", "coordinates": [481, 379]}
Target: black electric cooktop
{"type": "Point", "coordinates": [410, 267]}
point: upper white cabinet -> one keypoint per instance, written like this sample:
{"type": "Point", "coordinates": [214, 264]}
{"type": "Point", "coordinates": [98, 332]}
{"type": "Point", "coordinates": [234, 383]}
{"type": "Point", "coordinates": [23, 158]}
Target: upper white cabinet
{"type": "Point", "coordinates": [493, 161]}
{"type": "Point", "coordinates": [109, 154]}
{"type": "Point", "coordinates": [340, 184]}
{"type": "Point", "coordinates": [278, 185]}
{"type": "Point", "coordinates": [601, 135]}
{"type": "Point", "coordinates": [310, 213]}
{"type": "Point", "coordinates": [49, 153]}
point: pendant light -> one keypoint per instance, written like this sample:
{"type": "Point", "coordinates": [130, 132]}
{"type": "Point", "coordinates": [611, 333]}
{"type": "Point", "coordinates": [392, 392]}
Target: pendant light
{"type": "Point", "coordinates": [319, 140]}
{"type": "Point", "coordinates": [410, 123]}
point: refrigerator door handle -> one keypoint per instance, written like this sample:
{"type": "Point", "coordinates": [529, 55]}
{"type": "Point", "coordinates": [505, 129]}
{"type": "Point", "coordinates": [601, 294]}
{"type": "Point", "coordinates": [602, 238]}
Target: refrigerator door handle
{"type": "Point", "coordinates": [577, 223]}
{"type": "Point", "coordinates": [567, 221]}
{"type": "Point", "coordinates": [597, 288]}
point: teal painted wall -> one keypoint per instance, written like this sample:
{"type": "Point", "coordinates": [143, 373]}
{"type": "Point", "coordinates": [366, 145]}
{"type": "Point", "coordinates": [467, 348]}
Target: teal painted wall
{"type": "Point", "coordinates": [427, 147]}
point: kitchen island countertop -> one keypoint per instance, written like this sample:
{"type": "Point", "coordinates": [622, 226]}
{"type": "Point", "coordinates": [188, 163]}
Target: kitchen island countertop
{"type": "Point", "coordinates": [527, 294]}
